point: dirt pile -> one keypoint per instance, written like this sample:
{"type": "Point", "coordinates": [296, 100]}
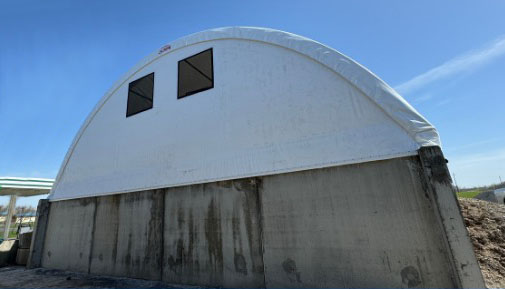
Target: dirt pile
{"type": "Point", "coordinates": [485, 222]}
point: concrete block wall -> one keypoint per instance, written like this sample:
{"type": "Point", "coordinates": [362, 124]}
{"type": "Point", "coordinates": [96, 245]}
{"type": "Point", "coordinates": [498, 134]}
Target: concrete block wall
{"type": "Point", "coordinates": [212, 235]}
{"type": "Point", "coordinates": [69, 235]}
{"type": "Point", "coordinates": [202, 234]}
{"type": "Point", "coordinates": [127, 236]}
{"type": "Point", "coordinates": [366, 225]}
{"type": "Point", "coordinates": [374, 224]}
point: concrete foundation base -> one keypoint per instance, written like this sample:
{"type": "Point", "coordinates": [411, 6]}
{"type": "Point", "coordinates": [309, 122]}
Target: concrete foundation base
{"type": "Point", "coordinates": [375, 224]}
{"type": "Point", "coordinates": [22, 256]}
{"type": "Point", "coordinates": [8, 249]}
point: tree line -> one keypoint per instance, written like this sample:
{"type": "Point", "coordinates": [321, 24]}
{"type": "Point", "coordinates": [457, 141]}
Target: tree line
{"type": "Point", "coordinates": [20, 210]}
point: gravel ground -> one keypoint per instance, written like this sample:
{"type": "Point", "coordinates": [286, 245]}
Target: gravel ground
{"type": "Point", "coordinates": [485, 222]}
{"type": "Point", "coordinates": [19, 277]}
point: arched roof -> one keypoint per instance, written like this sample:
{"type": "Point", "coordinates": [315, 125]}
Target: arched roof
{"type": "Point", "coordinates": [376, 90]}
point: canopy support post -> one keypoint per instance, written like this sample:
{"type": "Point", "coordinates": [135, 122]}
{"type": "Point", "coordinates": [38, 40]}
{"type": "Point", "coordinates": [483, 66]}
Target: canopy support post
{"type": "Point", "coordinates": [10, 213]}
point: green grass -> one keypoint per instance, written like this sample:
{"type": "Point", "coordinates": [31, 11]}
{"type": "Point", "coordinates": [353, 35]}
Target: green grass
{"type": "Point", "coordinates": [468, 194]}
{"type": "Point", "coordinates": [12, 234]}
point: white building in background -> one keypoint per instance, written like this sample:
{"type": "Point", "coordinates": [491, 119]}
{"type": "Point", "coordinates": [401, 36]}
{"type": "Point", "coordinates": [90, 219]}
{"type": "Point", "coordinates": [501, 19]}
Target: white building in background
{"type": "Point", "coordinates": [496, 196]}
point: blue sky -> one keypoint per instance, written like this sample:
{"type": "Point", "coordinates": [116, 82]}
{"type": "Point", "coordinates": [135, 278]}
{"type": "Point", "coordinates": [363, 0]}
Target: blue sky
{"type": "Point", "coordinates": [447, 58]}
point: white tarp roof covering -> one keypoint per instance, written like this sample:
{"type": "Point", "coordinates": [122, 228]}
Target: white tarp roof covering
{"type": "Point", "coordinates": [24, 187]}
{"type": "Point", "coordinates": [279, 103]}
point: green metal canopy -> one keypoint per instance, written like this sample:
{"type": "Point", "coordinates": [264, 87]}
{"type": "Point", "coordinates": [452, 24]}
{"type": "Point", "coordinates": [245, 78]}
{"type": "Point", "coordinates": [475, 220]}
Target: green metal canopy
{"type": "Point", "coordinates": [21, 187]}
{"type": "Point", "coordinates": [24, 187]}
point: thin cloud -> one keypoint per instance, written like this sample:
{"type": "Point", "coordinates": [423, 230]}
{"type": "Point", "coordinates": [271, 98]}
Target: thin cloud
{"type": "Point", "coordinates": [424, 97]}
{"type": "Point", "coordinates": [480, 158]}
{"type": "Point", "coordinates": [474, 144]}
{"type": "Point", "coordinates": [466, 62]}
{"type": "Point", "coordinates": [444, 102]}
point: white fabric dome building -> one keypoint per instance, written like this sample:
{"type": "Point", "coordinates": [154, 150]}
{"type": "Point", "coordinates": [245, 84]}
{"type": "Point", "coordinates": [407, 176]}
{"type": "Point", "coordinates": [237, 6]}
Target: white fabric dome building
{"type": "Point", "coordinates": [250, 157]}
{"type": "Point", "coordinates": [237, 102]}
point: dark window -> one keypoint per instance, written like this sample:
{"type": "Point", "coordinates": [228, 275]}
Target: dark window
{"type": "Point", "coordinates": [196, 73]}
{"type": "Point", "coordinates": [140, 95]}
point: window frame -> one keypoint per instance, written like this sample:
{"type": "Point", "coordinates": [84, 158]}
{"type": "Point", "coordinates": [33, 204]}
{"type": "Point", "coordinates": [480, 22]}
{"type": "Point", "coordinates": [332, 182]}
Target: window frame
{"type": "Point", "coordinates": [179, 73]}
{"type": "Point", "coordinates": [128, 96]}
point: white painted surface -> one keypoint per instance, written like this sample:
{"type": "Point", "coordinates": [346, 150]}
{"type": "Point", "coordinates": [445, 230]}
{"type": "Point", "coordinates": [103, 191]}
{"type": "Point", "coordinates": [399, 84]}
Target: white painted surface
{"type": "Point", "coordinates": [280, 103]}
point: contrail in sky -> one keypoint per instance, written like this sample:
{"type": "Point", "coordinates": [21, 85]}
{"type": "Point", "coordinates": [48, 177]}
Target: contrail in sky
{"type": "Point", "coordinates": [465, 62]}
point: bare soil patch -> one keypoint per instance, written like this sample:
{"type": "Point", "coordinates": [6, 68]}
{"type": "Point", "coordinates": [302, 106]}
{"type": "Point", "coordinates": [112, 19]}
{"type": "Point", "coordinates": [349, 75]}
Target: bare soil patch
{"type": "Point", "coordinates": [485, 222]}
